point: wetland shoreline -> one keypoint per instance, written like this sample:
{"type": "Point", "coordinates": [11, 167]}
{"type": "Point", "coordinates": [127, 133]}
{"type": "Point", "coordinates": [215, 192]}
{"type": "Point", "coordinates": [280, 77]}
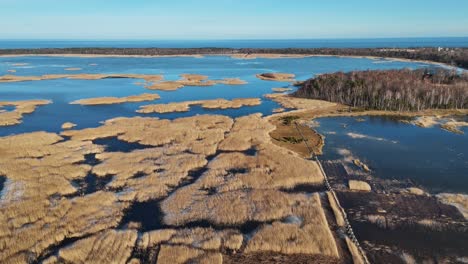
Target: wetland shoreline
{"type": "Point", "coordinates": [453, 57]}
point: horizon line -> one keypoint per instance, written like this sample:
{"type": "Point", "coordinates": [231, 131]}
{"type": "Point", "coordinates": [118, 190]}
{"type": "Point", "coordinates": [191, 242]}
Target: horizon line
{"type": "Point", "coordinates": [222, 39]}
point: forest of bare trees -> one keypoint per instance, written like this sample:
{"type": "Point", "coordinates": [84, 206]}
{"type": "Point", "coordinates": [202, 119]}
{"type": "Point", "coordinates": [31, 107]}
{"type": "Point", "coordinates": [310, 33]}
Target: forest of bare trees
{"type": "Point", "coordinates": [397, 90]}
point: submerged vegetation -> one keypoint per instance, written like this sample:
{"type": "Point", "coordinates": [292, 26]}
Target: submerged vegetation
{"type": "Point", "coordinates": [394, 90]}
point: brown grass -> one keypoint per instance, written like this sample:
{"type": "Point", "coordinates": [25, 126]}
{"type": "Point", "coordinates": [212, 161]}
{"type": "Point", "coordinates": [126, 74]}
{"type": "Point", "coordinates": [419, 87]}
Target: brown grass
{"type": "Point", "coordinates": [416, 191]}
{"type": "Point", "coordinates": [279, 77]}
{"type": "Point", "coordinates": [190, 80]}
{"type": "Point", "coordinates": [279, 110]}
{"type": "Point", "coordinates": [169, 254]}
{"type": "Point", "coordinates": [37, 211]}
{"type": "Point", "coordinates": [110, 246]}
{"type": "Point", "coordinates": [21, 108]}
{"type": "Point", "coordinates": [246, 132]}
{"type": "Point", "coordinates": [68, 125]}
{"type": "Point", "coordinates": [456, 199]}
{"type": "Point", "coordinates": [281, 90]}
{"type": "Point", "coordinates": [288, 101]}
{"type": "Point", "coordinates": [426, 121]}
{"type": "Point", "coordinates": [357, 258]}
{"type": "Point", "coordinates": [33, 212]}
{"type": "Point", "coordinates": [198, 134]}
{"type": "Point", "coordinates": [200, 238]}
{"type": "Point", "coordinates": [454, 126]}
{"type": "Point", "coordinates": [336, 210]}
{"type": "Point", "coordinates": [117, 100]}
{"type": "Point", "coordinates": [209, 104]}
{"type": "Point", "coordinates": [161, 172]}
{"type": "Point", "coordinates": [359, 186]}
{"type": "Point", "coordinates": [312, 236]}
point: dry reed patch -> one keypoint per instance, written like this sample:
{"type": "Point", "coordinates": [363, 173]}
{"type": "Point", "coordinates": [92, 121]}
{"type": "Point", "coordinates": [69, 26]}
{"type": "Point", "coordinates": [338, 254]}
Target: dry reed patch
{"type": "Point", "coordinates": [279, 77]}
{"type": "Point", "coordinates": [233, 184]}
{"type": "Point", "coordinates": [21, 107]}
{"type": "Point", "coordinates": [272, 167]}
{"type": "Point", "coordinates": [456, 199]}
{"type": "Point", "coordinates": [209, 104]}
{"type": "Point", "coordinates": [426, 121]}
{"type": "Point", "coordinates": [312, 236]}
{"type": "Point", "coordinates": [190, 204]}
{"type": "Point", "coordinates": [110, 246]}
{"type": "Point", "coordinates": [33, 212]}
{"type": "Point", "coordinates": [247, 131]}
{"type": "Point", "coordinates": [190, 80]}
{"type": "Point", "coordinates": [165, 108]}
{"type": "Point", "coordinates": [68, 125]}
{"type": "Point", "coordinates": [117, 100]}
{"type": "Point", "coordinates": [416, 191]}
{"type": "Point", "coordinates": [159, 171]}
{"type": "Point", "coordinates": [454, 126]}
{"type": "Point", "coordinates": [279, 110]}
{"type": "Point", "coordinates": [336, 210]}
{"type": "Point", "coordinates": [357, 258]}
{"type": "Point", "coordinates": [281, 90]}
{"type": "Point", "coordinates": [288, 101]}
{"type": "Point", "coordinates": [198, 134]}
{"type": "Point", "coordinates": [183, 254]}
{"type": "Point", "coordinates": [201, 238]}
{"type": "Point", "coordinates": [359, 186]}
{"type": "Point", "coordinates": [54, 222]}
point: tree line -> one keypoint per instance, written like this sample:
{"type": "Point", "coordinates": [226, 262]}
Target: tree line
{"type": "Point", "coordinates": [453, 56]}
{"type": "Point", "coordinates": [395, 90]}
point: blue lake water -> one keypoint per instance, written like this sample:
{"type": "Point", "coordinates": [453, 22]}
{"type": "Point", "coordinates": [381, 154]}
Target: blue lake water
{"type": "Point", "coordinates": [432, 157]}
{"type": "Point", "coordinates": [64, 91]}
{"type": "Point", "coordinates": [260, 43]}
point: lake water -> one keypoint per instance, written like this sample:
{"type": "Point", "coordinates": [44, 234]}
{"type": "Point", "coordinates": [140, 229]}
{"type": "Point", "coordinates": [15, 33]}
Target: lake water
{"type": "Point", "coordinates": [392, 149]}
{"type": "Point", "coordinates": [432, 157]}
{"type": "Point", "coordinates": [63, 91]}
{"type": "Point", "coordinates": [259, 43]}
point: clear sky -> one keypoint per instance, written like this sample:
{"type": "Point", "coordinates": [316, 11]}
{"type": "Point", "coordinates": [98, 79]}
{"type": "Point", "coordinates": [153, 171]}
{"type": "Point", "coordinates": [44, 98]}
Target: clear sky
{"type": "Point", "coordinates": [231, 19]}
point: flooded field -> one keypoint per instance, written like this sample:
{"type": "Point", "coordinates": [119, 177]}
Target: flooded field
{"type": "Point", "coordinates": [431, 157]}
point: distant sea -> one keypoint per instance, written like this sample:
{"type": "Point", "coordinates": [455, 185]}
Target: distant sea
{"type": "Point", "coordinates": [284, 43]}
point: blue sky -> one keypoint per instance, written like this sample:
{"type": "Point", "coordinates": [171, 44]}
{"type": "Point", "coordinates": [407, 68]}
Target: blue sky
{"type": "Point", "coordinates": [231, 19]}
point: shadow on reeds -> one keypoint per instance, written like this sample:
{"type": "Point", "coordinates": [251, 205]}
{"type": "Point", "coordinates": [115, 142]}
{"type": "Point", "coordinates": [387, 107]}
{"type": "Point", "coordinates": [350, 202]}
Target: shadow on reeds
{"type": "Point", "coordinates": [91, 183]}
{"type": "Point", "coordinates": [305, 188]}
{"type": "Point", "coordinates": [113, 144]}
{"type": "Point", "coordinates": [147, 214]}
{"type": "Point", "coordinates": [54, 249]}
{"type": "Point", "coordinates": [2, 182]}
